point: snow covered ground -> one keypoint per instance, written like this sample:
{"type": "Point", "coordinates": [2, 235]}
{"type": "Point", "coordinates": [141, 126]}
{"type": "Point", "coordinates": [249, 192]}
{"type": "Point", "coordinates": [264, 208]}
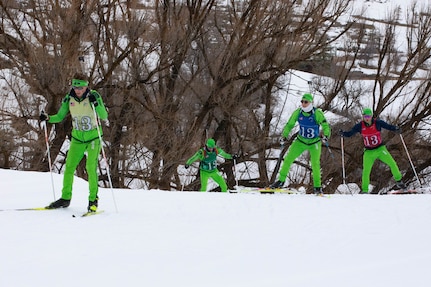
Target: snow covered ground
{"type": "Point", "coordinates": [160, 238]}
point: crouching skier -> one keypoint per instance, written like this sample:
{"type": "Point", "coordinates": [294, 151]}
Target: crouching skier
{"type": "Point", "coordinates": [208, 164]}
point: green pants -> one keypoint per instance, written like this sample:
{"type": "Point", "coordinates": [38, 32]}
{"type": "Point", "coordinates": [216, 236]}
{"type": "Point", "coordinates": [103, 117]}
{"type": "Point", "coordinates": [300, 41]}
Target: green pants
{"type": "Point", "coordinates": [216, 176]}
{"type": "Point", "coordinates": [370, 157]}
{"type": "Point", "coordinates": [74, 156]}
{"type": "Point", "coordinates": [295, 150]}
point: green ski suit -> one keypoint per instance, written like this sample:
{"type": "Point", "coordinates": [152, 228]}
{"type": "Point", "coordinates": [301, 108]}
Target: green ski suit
{"type": "Point", "coordinates": [308, 139]}
{"type": "Point", "coordinates": [208, 166]}
{"type": "Point", "coordinates": [85, 138]}
{"type": "Point", "coordinates": [374, 149]}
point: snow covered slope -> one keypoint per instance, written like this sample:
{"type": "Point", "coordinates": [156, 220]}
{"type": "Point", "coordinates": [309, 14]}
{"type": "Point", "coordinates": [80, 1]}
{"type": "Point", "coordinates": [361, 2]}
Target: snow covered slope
{"type": "Point", "coordinates": [161, 238]}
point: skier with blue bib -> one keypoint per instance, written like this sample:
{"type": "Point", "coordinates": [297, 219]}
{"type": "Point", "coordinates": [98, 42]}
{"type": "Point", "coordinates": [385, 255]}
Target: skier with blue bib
{"type": "Point", "coordinates": [309, 139]}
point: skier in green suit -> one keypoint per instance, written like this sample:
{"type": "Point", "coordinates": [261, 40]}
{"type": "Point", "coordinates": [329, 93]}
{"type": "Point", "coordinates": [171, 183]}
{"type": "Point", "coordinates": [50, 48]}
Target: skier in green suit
{"type": "Point", "coordinates": [309, 139]}
{"type": "Point", "coordinates": [79, 102]}
{"type": "Point", "coordinates": [370, 129]}
{"type": "Point", "coordinates": [208, 164]}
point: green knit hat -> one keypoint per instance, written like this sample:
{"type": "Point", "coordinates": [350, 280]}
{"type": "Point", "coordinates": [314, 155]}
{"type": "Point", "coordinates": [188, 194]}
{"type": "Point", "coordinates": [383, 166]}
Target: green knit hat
{"type": "Point", "coordinates": [211, 143]}
{"type": "Point", "coordinates": [367, 112]}
{"type": "Point", "coordinates": [307, 97]}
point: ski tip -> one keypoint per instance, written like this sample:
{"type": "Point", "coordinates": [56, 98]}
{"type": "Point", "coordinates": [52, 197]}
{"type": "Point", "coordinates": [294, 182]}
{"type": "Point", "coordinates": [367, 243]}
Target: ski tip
{"type": "Point", "coordinates": [33, 208]}
{"type": "Point", "coordinates": [401, 191]}
{"type": "Point", "coordinates": [86, 214]}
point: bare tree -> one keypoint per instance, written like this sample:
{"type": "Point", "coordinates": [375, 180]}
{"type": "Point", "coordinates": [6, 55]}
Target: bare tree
{"type": "Point", "coordinates": [178, 72]}
{"type": "Point", "coordinates": [398, 91]}
{"type": "Point", "coordinates": [40, 46]}
{"type": "Point", "coordinates": [253, 45]}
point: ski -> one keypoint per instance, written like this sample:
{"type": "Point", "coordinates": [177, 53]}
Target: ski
{"type": "Point", "coordinates": [266, 190]}
{"type": "Point", "coordinates": [277, 190]}
{"type": "Point", "coordinates": [26, 209]}
{"type": "Point", "coordinates": [401, 191]}
{"type": "Point", "coordinates": [90, 213]}
{"type": "Point", "coordinates": [322, 195]}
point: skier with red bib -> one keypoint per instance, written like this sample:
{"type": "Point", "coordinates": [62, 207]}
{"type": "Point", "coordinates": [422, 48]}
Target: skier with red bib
{"type": "Point", "coordinates": [370, 129]}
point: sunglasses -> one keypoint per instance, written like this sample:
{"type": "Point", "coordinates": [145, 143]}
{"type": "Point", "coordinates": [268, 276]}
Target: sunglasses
{"type": "Point", "coordinates": [304, 102]}
{"type": "Point", "coordinates": [78, 88]}
{"type": "Point", "coordinates": [367, 116]}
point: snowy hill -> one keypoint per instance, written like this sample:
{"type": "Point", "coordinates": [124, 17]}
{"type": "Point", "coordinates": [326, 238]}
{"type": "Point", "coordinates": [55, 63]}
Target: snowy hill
{"type": "Point", "coordinates": [160, 238]}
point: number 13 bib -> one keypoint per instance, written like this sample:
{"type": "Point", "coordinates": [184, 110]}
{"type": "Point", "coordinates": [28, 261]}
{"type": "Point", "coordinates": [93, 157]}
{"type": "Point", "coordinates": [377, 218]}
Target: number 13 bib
{"type": "Point", "coordinates": [371, 136]}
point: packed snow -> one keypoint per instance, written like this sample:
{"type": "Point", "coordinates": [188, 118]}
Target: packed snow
{"type": "Point", "coordinates": [166, 238]}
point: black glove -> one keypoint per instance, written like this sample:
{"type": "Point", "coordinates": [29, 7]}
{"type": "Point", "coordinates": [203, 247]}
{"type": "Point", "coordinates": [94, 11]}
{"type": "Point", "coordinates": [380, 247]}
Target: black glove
{"type": "Point", "coordinates": [235, 156]}
{"type": "Point", "coordinates": [324, 140]}
{"type": "Point", "coordinates": [43, 116]}
{"type": "Point", "coordinates": [92, 99]}
{"type": "Point", "coordinates": [341, 133]}
{"type": "Point", "coordinates": [397, 130]}
{"type": "Point", "coordinates": [187, 166]}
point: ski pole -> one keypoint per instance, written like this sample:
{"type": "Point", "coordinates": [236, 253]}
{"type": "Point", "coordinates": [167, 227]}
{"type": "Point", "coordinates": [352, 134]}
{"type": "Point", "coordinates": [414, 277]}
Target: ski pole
{"type": "Point", "coordinates": [189, 174]}
{"type": "Point", "coordinates": [325, 141]}
{"type": "Point", "coordinates": [342, 160]}
{"type": "Point", "coordinates": [280, 157]}
{"type": "Point", "coordinates": [410, 159]}
{"type": "Point", "coordinates": [247, 169]}
{"type": "Point", "coordinates": [343, 165]}
{"type": "Point", "coordinates": [48, 151]}
{"type": "Point", "coordinates": [104, 156]}
{"type": "Point", "coordinates": [234, 172]}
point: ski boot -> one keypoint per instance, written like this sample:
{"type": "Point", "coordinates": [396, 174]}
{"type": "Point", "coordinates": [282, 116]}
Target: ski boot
{"type": "Point", "coordinates": [318, 191]}
{"type": "Point", "coordinates": [60, 203]}
{"type": "Point", "coordinates": [277, 184]}
{"type": "Point", "coordinates": [92, 205]}
{"type": "Point", "coordinates": [401, 185]}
